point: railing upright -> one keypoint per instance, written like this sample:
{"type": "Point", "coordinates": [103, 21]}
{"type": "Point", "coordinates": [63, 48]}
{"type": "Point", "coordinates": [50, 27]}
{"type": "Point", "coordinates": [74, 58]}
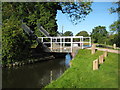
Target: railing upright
{"type": "Point", "coordinates": [51, 43]}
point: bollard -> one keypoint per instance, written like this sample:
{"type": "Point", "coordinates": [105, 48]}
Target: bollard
{"type": "Point", "coordinates": [95, 64]}
{"type": "Point", "coordinates": [105, 54]}
{"type": "Point", "coordinates": [114, 46]}
{"type": "Point", "coordinates": [93, 49]}
{"type": "Point", "coordinates": [101, 58]}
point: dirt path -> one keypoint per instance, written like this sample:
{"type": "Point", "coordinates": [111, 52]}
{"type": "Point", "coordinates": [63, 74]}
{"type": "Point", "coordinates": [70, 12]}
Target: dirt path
{"type": "Point", "coordinates": [109, 50]}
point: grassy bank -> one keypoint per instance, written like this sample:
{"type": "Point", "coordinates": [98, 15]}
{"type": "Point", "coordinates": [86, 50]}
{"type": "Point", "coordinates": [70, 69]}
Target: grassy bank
{"type": "Point", "coordinates": [81, 75]}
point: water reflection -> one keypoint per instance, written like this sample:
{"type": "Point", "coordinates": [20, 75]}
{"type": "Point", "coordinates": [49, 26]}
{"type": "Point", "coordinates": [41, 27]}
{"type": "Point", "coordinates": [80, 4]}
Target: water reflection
{"type": "Point", "coordinates": [33, 76]}
{"type": "Point", "coordinates": [67, 60]}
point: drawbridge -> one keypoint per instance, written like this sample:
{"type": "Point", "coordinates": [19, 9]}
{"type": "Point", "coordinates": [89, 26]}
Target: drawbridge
{"type": "Point", "coordinates": [60, 44]}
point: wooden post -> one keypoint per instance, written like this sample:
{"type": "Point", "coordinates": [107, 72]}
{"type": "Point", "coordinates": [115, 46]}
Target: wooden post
{"type": "Point", "coordinates": [105, 54]}
{"type": "Point", "coordinates": [114, 46]}
{"type": "Point", "coordinates": [95, 64]}
{"type": "Point", "coordinates": [101, 58]}
{"type": "Point", "coordinates": [93, 49]}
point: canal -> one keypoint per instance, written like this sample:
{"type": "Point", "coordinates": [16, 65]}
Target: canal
{"type": "Point", "coordinates": [35, 75]}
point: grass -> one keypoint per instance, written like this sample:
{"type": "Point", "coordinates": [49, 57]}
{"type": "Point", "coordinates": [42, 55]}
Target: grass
{"type": "Point", "coordinates": [81, 75]}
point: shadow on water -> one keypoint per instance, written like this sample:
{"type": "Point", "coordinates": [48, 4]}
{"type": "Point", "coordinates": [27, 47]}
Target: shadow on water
{"type": "Point", "coordinates": [34, 75]}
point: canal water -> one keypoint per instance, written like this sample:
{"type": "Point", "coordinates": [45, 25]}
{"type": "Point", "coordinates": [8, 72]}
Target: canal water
{"type": "Point", "coordinates": [35, 75]}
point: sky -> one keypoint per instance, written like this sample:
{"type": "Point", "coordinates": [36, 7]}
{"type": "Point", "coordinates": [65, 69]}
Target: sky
{"type": "Point", "coordinates": [99, 16]}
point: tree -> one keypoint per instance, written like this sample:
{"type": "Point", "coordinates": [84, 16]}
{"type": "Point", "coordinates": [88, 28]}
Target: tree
{"type": "Point", "coordinates": [68, 33]}
{"type": "Point", "coordinates": [115, 27]}
{"type": "Point", "coordinates": [99, 34]}
{"type": "Point", "coordinates": [76, 11]}
{"type": "Point", "coordinates": [115, 33]}
{"type": "Point", "coordinates": [83, 33]}
{"type": "Point", "coordinates": [14, 43]}
{"type": "Point", "coordinates": [115, 10]}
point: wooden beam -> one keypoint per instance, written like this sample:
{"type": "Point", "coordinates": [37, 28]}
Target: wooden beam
{"type": "Point", "coordinates": [95, 64]}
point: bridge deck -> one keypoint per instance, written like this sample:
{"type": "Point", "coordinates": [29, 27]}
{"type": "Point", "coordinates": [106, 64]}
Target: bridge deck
{"type": "Point", "coordinates": [66, 43]}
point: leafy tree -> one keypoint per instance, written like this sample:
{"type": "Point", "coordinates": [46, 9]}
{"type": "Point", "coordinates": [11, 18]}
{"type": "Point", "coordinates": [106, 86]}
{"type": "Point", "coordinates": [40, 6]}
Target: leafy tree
{"type": "Point", "coordinates": [14, 43]}
{"type": "Point", "coordinates": [76, 11]}
{"type": "Point", "coordinates": [115, 31]}
{"type": "Point", "coordinates": [68, 33]}
{"type": "Point", "coordinates": [31, 13]}
{"type": "Point", "coordinates": [83, 33]}
{"type": "Point", "coordinates": [115, 10]}
{"type": "Point", "coordinates": [115, 27]}
{"type": "Point", "coordinates": [99, 34]}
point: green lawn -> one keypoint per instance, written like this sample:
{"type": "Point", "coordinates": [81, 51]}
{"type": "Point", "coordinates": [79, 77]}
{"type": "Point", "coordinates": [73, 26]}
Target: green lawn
{"type": "Point", "coordinates": [81, 75]}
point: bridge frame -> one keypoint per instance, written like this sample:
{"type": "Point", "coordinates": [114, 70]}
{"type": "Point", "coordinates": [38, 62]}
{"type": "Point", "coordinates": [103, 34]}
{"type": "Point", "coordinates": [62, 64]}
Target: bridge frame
{"type": "Point", "coordinates": [62, 41]}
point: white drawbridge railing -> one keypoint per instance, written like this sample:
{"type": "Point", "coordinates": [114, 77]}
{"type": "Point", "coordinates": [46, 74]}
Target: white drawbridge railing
{"type": "Point", "coordinates": [66, 43]}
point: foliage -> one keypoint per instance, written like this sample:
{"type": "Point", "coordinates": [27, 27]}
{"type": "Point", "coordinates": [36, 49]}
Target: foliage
{"type": "Point", "coordinates": [115, 27]}
{"type": "Point", "coordinates": [113, 37]}
{"type": "Point", "coordinates": [81, 75]}
{"type": "Point", "coordinates": [68, 33]}
{"type": "Point", "coordinates": [14, 43]}
{"type": "Point", "coordinates": [115, 10]}
{"type": "Point", "coordinates": [77, 11]}
{"type": "Point", "coordinates": [99, 34]}
{"type": "Point", "coordinates": [33, 13]}
{"type": "Point", "coordinates": [83, 33]}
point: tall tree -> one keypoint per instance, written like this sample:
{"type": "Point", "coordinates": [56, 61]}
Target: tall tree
{"type": "Point", "coordinates": [99, 34]}
{"type": "Point", "coordinates": [115, 33]}
{"type": "Point", "coordinates": [115, 27]}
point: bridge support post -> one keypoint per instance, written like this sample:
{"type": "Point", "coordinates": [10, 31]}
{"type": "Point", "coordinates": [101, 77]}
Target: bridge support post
{"type": "Point", "coordinates": [89, 41]}
{"type": "Point", "coordinates": [82, 42]}
{"type": "Point", "coordinates": [42, 39]}
{"type": "Point", "coordinates": [51, 44]}
{"type": "Point", "coordinates": [71, 44]}
{"type": "Point", "coordinates": [63, 42]}
{"type": "Point", "coordinates": [60, 44]}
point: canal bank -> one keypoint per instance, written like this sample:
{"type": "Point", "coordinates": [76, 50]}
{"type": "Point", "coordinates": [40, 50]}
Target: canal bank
{"type": "Point", "coordinates": [35, 57]}
{"type": "Point", "coordinates": [81, 75]}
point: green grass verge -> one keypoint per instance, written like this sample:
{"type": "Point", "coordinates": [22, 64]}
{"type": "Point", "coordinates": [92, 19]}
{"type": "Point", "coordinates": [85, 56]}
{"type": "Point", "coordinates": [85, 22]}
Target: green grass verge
{"type": "Point", "coordinates": [81, 75]}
